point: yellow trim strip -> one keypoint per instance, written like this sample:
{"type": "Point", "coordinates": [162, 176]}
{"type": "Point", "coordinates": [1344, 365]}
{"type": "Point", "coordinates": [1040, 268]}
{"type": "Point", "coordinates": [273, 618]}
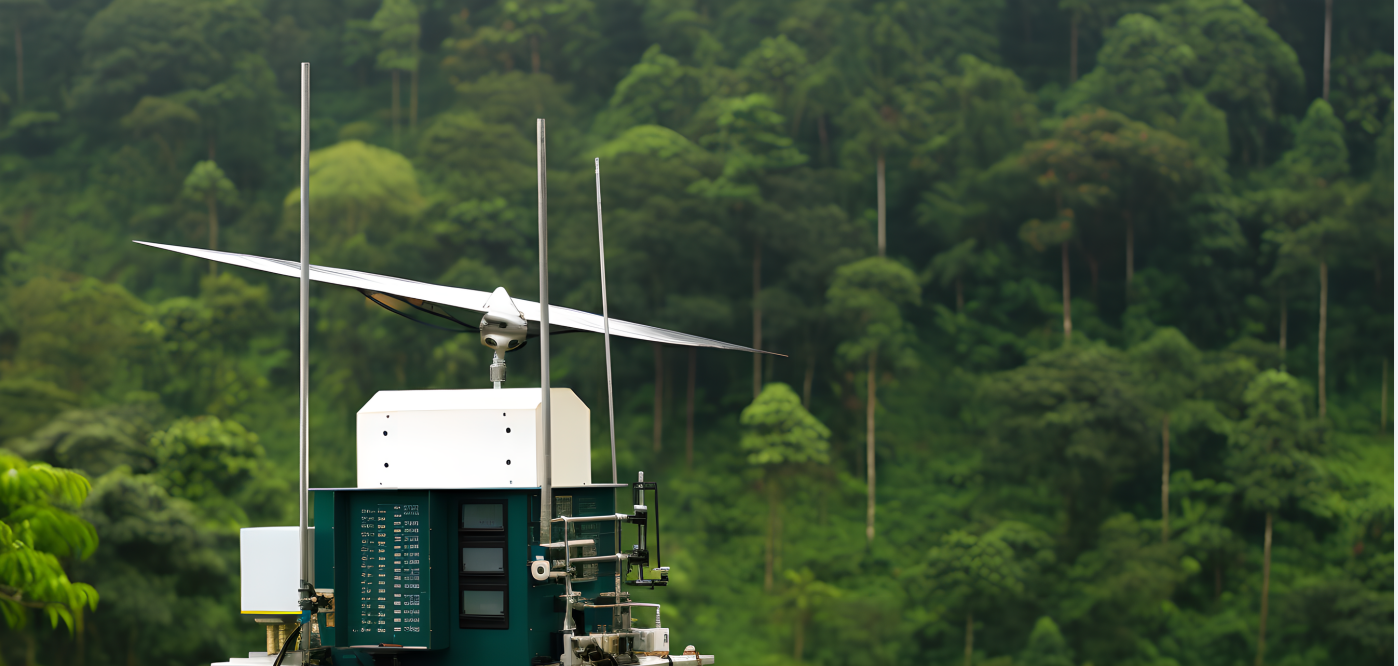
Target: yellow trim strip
{"type": "Point", "coordinates": [290, 612]}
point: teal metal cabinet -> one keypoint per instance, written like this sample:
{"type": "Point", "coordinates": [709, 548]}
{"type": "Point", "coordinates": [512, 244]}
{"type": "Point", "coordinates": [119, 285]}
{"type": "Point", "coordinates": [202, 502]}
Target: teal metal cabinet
{"type": "Point", "coordinates": [440, 577]}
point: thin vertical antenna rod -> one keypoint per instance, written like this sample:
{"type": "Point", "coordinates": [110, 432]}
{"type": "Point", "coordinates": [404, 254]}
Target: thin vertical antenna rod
{"type": "Point", "coordinates": [304, 482]}
{"type": "Point", "coordinates": [606, 319]}
{"type": "Point", "coordinates": [546, 491]}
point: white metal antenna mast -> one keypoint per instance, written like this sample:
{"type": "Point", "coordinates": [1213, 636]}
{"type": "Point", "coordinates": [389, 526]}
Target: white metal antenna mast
{"type": "Point", "coordinates": [606, 319]}
{"type": "Point", "coordinates": [546, 491]}
{"type": "Point", "coordinates": [304, 482]}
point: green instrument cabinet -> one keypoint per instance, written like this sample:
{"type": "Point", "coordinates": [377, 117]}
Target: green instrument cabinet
{"type": "Point", "coordinates": [441, 577]}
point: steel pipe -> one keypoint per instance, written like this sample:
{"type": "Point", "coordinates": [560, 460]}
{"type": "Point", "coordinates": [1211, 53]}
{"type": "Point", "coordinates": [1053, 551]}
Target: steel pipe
{"type": "Point", "coordinates": [591, 519]}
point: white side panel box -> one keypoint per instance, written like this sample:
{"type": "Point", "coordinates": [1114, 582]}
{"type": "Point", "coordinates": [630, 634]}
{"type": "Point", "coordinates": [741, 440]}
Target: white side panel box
{"type": "Point", "coordinates": [270, 563]}
{"type": "Point", "coordinates": [653, 640]}
{"type": "Point", "coordinates": [471, 438]}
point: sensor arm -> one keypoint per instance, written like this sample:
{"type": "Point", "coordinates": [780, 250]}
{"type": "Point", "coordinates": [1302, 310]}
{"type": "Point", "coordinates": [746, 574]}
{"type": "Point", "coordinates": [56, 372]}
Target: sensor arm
{"type": "Point", "coordinates": [414, 292]}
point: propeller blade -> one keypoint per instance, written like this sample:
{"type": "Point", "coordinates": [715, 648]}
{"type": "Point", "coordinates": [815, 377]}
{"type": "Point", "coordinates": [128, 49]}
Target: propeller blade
{"type": "Point", "coordinates": [466, 299]}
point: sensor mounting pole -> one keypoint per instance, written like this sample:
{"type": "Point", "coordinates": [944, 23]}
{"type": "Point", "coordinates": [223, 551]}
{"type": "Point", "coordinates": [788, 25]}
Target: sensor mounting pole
{"type": "Point", "coordinates": [304, 480]}
{"type": "Point", "coordinates": [606, 319]}
{"type": "Point", "coordinates": [546, 491]}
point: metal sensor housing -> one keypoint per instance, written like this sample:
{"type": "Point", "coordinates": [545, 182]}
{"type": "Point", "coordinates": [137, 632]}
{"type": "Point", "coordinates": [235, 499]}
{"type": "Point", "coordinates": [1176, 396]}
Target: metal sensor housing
{"type": "Point", "coordinates": [503, 332]}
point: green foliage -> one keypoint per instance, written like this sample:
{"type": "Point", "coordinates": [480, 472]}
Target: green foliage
{"type": "Point", "coordinates": [1175, 377]}
{"type": "Point", "coordinates": [204, 52]}
{"type": "Point", "coordinates": [1046, 646]}
{"type": "Point", "coordinates": [1129, 576]}
{"type": "Point", "coordinates": [398, 26]}
{"type": "Point", "coordinates": [1308, 213]}
{"type": "Point", "coordinates": [867, 297]}
{"type": "Point", "coordinates": [982, 112]}
{"type": "Point", "coordinates": [474, 157]}
{"type": "Point", "coordinates": [1272, 451]}
{"type": "Point", "coordinates": [81, 334]}
{"type": "Point", "coordinates": [967, 570]}
{"type": "Point", "coordinates": [1104, 168]}
{"type": "Point", "coordinates": [658, 90]}
{"type": "Point", "coordinates": [1143, 72]}
{"type": "Point", "coordinates": [1364, 90]}
{"type": "Point", "coordinates": [362, 192]}
{"type": "Point", "coordinates": [217, 465]}
{"type": "Point", "coordinates": [779, 431]}
{"type": "Point", "coordinates": [37, 527]}
{"type": "Point", "coordinates": [204, 344]}
{"type": "Point", "coordinates": [1075, 420]}
{"type": "Point", "coordinates": [1240, 65]}
{"type": "Point", "coordinates": [157, 552]}
{"type": "Point", "coordinates": [168, 122]}
{"type": "Point", "coordinates": [207, 182]}
{"type": "Point", "coordinates": [748, 133]}
{"type": "Point", "coordinates": [1319, 151]}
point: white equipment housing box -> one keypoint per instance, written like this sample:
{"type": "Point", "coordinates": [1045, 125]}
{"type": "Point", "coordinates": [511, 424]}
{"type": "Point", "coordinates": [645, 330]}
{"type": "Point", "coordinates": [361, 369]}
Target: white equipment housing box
{"type": "Point", "coordinates": [269, 562]}
{"type": "Point", "coordinates": [471, 438]}
{"type": "Point", "coordinates": [652, 640]}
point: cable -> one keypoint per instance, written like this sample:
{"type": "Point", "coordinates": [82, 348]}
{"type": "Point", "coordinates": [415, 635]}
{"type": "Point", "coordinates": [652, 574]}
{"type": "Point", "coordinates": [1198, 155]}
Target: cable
{"type": "Point", "coordinates": [291, 638]}
{"type": "Point", "coordinates": [467, 327]}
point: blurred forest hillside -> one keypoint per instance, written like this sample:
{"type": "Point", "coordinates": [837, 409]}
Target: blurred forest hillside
{"type": "Point", "coordinates": [1087, 305]}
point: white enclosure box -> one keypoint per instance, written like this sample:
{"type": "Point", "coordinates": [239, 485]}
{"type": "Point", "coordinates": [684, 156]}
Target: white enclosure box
{"type": "Point", "coordinates": [471, 438]}
{"type": "Point", "coordinates": [269, 561]}
{"type": "Point", "coordinates": [652, 640]}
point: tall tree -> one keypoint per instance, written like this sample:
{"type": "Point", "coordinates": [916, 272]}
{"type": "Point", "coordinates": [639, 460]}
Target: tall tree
{"type": "Point", "coordinates": [975, 116]}
{"type": "Point", "coordinates": [1240, 64]}
{"type": "Point", "coordinates": [1308, 215]}
{"type": "Point", "coordinates": [805, 594]}
{"type": "Point", "coordinates": [1073, 419]}
{"type": "Point", "coordinates": [168, 122]}
{"type": "Point", "coordinates": [1046, 646]}
{"type": "Point", "coordinates": [780, 437]}
{"type": "Point", "coordinates": [1104, 170]}
{"type": "Point", "coordinates": [866, 298]}
{"type": "Point", "coordinates": [208, 185]}
{"type": "Point", "coordinates": [1044, 234]}
{"type": "Point", "coordinates": [398, 26]}
{"type": "Point", "coordinates": [204, 54]}
{"type": "Point", "coordinates": [750, 136]}
{"type": "Point", "coordinates": [536, 30]}
{"type": "Point", "coordinates": [968, 573]}
{"type": "Point", "coordinates": [16, 13]}
{"type": "Point", "coordinates": [1271, 456]}
{"type": "Point", "coordinates": [658, 90]}
{"type": "Point", "coordinates": [778, 67]}
{"type": "Point", "coordinates": [663, 231]}
{"type": "Point", "coordinates": [883, 56]}
{"type": "Point", "coordinates": [1092, 16]}
{"type": "Point", "coordinates": [876, 114]}
{"type": "Point", "coordinates": [1171, 373]}
{"type": "Point", "coordinates": [1143, 72]}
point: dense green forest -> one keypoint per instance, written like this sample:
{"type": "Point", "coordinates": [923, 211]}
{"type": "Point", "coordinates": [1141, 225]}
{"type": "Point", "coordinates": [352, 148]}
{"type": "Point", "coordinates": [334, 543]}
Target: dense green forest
{"type": "Point", "coordinates": [1087, 307]}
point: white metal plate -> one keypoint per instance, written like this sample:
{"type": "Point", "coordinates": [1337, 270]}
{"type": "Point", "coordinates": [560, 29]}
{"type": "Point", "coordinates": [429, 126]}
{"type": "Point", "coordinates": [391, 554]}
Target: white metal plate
{"type": "Point", "coordinates": [483, 438]}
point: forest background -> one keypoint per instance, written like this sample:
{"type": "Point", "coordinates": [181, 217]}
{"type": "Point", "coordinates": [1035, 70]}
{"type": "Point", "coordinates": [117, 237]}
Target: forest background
{"type": "Point", "coordinates": [1087, 305]}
